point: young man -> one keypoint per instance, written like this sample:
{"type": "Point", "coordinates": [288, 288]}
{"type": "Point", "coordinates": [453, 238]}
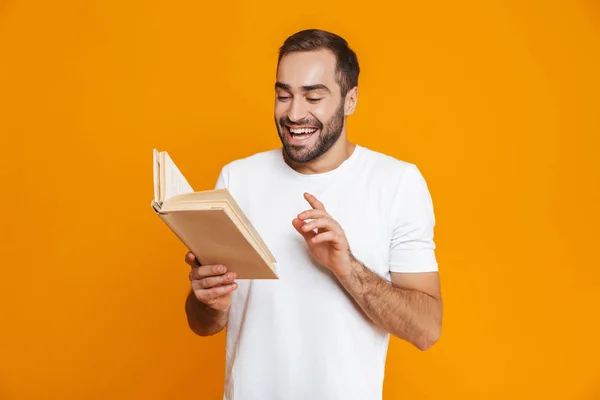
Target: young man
{"type": "Point", "coordinates": [352, 231]}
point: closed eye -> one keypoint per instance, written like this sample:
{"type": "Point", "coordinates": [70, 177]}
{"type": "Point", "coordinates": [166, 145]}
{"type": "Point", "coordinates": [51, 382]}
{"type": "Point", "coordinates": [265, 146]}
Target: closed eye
{"type": "Point", "coordinates": [314, 100]}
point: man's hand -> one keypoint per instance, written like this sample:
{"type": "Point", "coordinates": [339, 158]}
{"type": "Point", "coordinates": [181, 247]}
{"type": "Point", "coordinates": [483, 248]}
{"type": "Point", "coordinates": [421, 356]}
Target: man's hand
{"type": "Point", "coordinates": [212, 284]}
{"type": "Point", "coordinates": [328, 245]}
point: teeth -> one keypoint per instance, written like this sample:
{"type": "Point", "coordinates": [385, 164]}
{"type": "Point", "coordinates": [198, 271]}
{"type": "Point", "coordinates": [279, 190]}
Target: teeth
{"type": "Point", "coordinates": [303, 130]}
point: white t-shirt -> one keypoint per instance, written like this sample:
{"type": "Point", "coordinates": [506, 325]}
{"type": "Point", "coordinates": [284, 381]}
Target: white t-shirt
{"type": "Point", "coordinates": [301, 337]}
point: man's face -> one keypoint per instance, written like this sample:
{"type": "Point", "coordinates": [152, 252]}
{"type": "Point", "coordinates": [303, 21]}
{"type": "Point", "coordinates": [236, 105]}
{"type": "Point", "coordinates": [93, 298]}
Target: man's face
{"type": "Point", "coordinates": [309, 109]}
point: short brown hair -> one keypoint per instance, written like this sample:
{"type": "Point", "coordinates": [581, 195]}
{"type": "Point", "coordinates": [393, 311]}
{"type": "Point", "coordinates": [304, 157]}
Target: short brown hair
{"type": "Point", "coordinates": [347, 68]}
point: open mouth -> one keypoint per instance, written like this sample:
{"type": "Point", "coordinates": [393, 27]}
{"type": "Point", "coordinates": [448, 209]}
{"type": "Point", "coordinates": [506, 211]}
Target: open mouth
{"type": "Point", "coordinates": [300, 134]}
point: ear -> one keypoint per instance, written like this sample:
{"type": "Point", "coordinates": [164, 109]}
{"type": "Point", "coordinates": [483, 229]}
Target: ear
{"type": "Point", "coordinates": [350, 101]}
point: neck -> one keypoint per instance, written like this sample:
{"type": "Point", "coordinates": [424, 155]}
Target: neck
{"type": "Point", "coordinates": [333, 158]}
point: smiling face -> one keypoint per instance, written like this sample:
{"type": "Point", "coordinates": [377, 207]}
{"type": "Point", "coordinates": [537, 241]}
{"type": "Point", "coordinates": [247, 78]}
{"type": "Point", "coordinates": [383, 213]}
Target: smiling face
{"type": "Point", "coordinates": [309, 108]}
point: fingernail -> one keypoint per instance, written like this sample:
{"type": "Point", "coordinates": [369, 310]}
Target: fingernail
{"type": "Point", "coordinates": [230, 275]}
{"type": "Point", "coordinates": [221, 268]}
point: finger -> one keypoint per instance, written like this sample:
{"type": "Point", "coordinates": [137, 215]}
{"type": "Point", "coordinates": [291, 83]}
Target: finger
{"type": "Point", "coordinates": [298, 224]}
{"type": "Point", "coordinates": [191, 259]}
{"type": "Point", "coordinates": [314, 203]}
{"type": "Point", "coordinates": [207, 270]}
{"type": "Point", "coordinates": [212, 281]}
{"type": "Point", "coordinates": [328, 236]}
{"type": "Point", "coordinates": [321, 223]}
{"type": "Point", "coordinates": [313, 214]}
{"type": "Point", "coordinates": [209, 296]}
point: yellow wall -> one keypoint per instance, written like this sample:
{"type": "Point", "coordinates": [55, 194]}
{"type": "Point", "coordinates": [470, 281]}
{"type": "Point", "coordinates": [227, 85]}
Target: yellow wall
{"type": "Point", "coordinates": [496, 101]}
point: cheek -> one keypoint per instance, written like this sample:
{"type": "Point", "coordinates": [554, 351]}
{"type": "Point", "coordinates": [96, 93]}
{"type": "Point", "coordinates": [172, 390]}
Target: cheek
{"type": "Point", "coordinates": [322, 112]}
{"type": "Point", "coordinates": [280, 110]}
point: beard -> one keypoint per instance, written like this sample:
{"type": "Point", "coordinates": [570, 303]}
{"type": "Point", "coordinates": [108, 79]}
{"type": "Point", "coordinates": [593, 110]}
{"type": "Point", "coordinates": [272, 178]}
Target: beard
{"type": "Point", "coordinates": [328, 134]}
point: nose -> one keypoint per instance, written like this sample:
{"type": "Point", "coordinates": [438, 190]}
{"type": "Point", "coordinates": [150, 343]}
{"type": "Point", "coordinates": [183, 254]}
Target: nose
{"type": "Point", "coordinates": [297, 110]}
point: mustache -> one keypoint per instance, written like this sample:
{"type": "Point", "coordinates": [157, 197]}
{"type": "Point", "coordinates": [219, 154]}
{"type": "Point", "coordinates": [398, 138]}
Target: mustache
{"type": "Point", "coordinates": [303, 122]}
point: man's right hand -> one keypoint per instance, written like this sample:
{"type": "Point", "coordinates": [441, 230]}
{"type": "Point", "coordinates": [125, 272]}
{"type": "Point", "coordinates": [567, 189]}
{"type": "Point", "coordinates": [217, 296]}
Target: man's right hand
{"type": "Point", "coordinates": [212, 284]}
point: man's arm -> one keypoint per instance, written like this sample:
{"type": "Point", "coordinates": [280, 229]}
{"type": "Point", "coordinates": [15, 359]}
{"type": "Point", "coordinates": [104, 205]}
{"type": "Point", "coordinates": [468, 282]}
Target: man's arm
{"type": "Point", "coordinates": [409, 307]}
{"type": "Point", "coordinates": [208, 302]}
{"type": "Point", "coordinates": [203, 320]}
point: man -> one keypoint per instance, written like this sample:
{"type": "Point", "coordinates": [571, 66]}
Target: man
{"type": "Point", "coordinates": [352, 231]}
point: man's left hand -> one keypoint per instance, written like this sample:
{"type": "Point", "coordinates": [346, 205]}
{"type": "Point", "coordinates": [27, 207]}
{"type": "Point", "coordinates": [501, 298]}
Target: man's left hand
{"type": "Point", "coordinates": [328, 245]}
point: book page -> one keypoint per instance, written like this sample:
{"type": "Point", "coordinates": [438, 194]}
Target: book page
{"type": "Point", "coordinates": [174, 181]}
{"type": "Point", "coordinates": [155, 171]}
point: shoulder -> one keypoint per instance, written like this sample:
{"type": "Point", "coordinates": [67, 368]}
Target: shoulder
{"type": "Point", "coordinates": [250, 165]}
{"type": "Point", "coordinates": [400, 182]}
{"type": "Point", "coordinates": [390, 170]}
{"type": "Point", "coordinates": [404, 191]}
{"type": "Point", "coordinates": [257, 160]}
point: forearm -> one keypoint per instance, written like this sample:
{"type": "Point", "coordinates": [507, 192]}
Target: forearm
{"type": "Point", "coordinates": [202, 319]}
{"type": "Point", "coordinates": [408, 314]}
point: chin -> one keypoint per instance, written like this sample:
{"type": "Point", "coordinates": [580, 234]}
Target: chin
{"type": "Point", "coordinates": [297, 155]}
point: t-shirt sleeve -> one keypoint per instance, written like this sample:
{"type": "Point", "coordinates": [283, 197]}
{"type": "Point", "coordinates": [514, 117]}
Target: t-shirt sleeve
{"type": "Point", "coordinates": [412, 248]}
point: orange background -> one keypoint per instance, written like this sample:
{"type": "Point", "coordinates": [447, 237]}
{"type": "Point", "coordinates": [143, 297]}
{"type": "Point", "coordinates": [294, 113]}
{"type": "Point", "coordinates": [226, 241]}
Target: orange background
{"type": "Point", "coordinates": [497, 102]}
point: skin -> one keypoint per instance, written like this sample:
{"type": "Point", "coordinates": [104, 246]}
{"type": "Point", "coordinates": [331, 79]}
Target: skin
{"type": "Point", "coordinates": [308, 95]}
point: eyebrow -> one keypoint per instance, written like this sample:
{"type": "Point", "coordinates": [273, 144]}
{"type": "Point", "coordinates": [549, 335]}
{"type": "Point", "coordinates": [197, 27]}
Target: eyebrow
{"type": "Point", "coordinates": [308, 88]}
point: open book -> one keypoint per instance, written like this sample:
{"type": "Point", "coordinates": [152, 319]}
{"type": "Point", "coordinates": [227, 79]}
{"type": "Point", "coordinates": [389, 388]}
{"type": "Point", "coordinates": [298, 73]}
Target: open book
{"type": "Point", "coordinates": [209, 223]}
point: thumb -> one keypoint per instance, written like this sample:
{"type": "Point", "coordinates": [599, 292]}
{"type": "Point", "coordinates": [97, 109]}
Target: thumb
{"type": "Point", "coordinates": [298, 223]}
